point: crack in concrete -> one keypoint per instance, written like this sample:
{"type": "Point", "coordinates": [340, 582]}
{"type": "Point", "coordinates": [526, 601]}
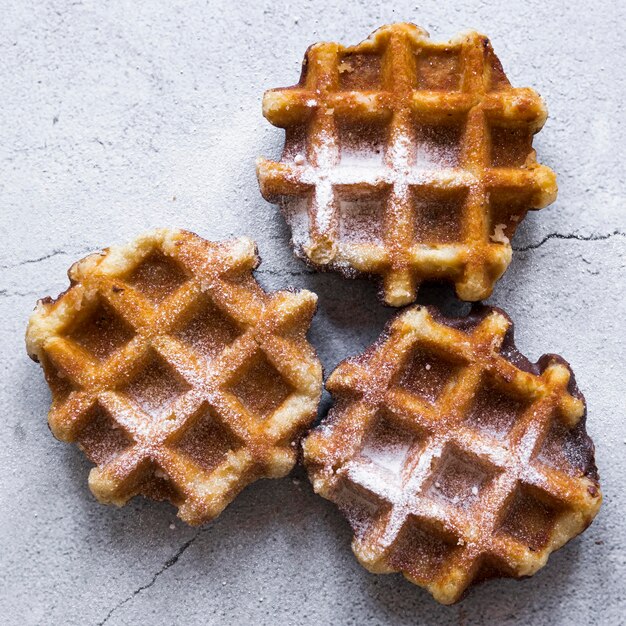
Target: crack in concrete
{"type": "Point", "coordinates": [596, 237]}
{"type": "Point", "coordinates": [169, 563]}
{"type": "Point", "coordinates": [41, 258]}
{"type": "Point", "coordinates": [5, 293]}
{"type": "Point", "coordinates": [45, 257]}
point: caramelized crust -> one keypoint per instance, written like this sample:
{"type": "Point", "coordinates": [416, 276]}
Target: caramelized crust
{"type": "Point", "coordinates": [179, 377]}
{"type": "Point", "coordinates": [453, 457]}
{"type": "Point", "coordinates": [407, 159]}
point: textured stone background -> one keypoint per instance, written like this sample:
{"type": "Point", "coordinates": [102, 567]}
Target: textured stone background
{"type": "Point", "coordinates": [120, 116]}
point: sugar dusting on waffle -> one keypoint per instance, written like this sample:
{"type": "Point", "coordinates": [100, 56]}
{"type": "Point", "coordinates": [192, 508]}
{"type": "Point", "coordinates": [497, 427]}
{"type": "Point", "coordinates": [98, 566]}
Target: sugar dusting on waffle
{"type": "Point", "coordinates": [451, 455]}
{"type": "Point", "coordinates": [433, 135]}
{"type": "Point", "coordinates": [179, 377]}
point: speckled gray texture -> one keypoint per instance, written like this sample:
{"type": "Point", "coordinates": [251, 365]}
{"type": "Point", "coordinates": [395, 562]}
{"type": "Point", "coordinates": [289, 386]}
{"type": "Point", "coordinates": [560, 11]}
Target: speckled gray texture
{"type": "Point", "coordinates": [121, 116]}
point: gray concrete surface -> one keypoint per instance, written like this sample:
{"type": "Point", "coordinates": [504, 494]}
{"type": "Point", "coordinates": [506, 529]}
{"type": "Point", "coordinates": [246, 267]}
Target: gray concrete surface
{"type": "Point", "coordinates": [120, 116]}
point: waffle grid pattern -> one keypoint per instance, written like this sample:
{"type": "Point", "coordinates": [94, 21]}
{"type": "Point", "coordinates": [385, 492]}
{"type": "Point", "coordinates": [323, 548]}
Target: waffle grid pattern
{"type": "Point", "coordinates": [158, 391]}
{"type": "Point", "coordinates": [457, 505]}
{"type": "Point", "coordinates": [420, 93]}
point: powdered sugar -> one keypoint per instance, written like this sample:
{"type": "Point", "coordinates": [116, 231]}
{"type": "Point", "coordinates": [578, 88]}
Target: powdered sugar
{"type": "Point", "coordinates": [355, 157]}
{"type": "Point", "coordinates": [451, 481]}
{"type": "Point", "coordinates": [296, 211]}
{"type": "Point", "coordinates": [361, 219]}
{"type": "Point", "coordinates": [390, 454]}
{"type": "Point", "coordinates": [323, 202]}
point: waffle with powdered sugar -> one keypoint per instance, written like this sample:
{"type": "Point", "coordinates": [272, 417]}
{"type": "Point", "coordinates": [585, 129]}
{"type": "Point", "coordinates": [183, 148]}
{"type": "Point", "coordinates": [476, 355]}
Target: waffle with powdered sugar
{"type": "Point", "coordinates": [179, 377]}
{"type": "Point", "coordinates": [453, 457]}
{"type": "Point", "coordinates": [407, 159]}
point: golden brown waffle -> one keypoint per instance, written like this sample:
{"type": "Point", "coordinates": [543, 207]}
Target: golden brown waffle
{"type": "Point", "coordinates": [407, 159]}
{"type": "Point", "coordinates": [179, 377]}
{"type": "Point", "coordinates": [453, 457]}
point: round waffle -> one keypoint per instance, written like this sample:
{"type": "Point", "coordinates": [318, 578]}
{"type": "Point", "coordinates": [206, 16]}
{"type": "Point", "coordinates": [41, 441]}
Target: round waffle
{"type": "Point", "coordinates": [407, 159]}
{"type": "Point", "coordinates": [179, 377]}
{"type": "Point", "coordinates": [453, 457]}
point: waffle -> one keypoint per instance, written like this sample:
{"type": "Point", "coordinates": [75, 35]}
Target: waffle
{"type": "Point", "coordinates": [178, 376]}
{"type": "Point", "coordinates": [453, 457]}
{"type": "Point", "coordinates": [407, 159]}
